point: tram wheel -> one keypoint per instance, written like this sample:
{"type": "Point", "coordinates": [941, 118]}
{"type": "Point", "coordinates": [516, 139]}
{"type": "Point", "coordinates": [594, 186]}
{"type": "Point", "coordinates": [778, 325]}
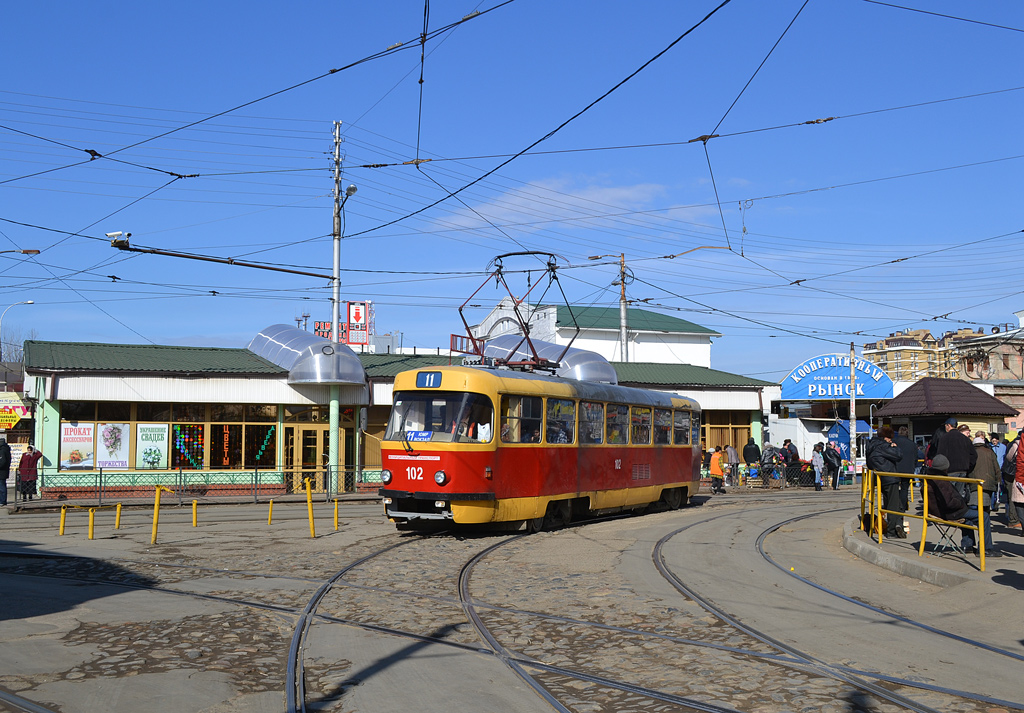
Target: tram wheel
{"type": "Point", "coordinates": [534, 525]}
{"type": "Point", "coordinates": [559, 515]}
{"type": "Point", "coordinates": [673, 498]}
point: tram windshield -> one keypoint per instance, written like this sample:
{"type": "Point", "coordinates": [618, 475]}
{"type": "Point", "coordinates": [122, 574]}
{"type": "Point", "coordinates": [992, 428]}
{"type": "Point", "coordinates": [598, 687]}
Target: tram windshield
{"type": "Point", "coordinates": [441, 417]}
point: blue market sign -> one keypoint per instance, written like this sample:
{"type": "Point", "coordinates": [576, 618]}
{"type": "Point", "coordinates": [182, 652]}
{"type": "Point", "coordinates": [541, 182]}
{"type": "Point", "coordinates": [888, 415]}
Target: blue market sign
{"type": "Point", "coordinates": [827, 377]}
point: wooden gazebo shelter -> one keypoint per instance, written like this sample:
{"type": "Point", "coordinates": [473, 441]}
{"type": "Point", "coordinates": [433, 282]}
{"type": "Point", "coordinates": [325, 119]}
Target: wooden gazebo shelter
{"type": "Point", "coordinates": [931, 401]}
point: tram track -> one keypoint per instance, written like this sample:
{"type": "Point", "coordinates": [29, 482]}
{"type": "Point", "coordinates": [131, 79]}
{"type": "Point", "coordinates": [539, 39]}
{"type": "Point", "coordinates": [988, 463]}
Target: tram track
{"type": "Point", "coordinates": [852, 676]}
{"type": "Point", "coordinates": [851, 600]}
{"type": "Point", "coordinates": [555, 670]}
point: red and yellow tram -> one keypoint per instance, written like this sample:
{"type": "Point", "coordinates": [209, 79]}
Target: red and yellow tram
{"type": "Point", "coordinates": [475, 445]}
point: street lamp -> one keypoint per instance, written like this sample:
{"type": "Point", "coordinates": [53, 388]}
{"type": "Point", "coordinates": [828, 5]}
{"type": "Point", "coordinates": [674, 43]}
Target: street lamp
{"type": "Point", "coordinates": [23, 252]}
{"type": "Point", "coordinates": [26, 302]}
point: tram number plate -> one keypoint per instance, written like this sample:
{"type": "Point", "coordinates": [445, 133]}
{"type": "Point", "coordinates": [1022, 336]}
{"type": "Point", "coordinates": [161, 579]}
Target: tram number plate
{"type": "Point", "coordinates": [428, 380]}
{"type": "Point", "coordinates": [414, 472]}
{"type": "Point", "coordinates": [418, 435]}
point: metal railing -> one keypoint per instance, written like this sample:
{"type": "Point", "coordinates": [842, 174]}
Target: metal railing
{"type": "Point", "coordinates": [260, 484]}
{"type": "Point", "coordinates": [871, 505]}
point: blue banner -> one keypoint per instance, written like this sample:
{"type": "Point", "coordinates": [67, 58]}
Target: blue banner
{"type": "Point", "coordinates": [827, 377]}
{"type": "Point", "coordinates": [840, 435]}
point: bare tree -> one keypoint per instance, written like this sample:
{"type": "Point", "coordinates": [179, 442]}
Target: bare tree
{"type": "Point", "coordinates": [12, 344]}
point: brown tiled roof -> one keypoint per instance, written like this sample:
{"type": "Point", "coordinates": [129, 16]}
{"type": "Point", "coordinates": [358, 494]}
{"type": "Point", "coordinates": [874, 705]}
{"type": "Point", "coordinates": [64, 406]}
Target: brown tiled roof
{"type": "Point", "coordinates": [944, 397]}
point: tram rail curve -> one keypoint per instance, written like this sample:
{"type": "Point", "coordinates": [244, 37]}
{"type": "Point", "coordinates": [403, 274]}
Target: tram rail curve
{"type": "Point", "coordinates": [541, 665]}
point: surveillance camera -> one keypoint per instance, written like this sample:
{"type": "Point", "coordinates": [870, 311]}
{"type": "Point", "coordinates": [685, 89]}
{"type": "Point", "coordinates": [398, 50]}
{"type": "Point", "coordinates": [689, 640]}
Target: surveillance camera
{"type": "Point", "coordinates": [118, 234]}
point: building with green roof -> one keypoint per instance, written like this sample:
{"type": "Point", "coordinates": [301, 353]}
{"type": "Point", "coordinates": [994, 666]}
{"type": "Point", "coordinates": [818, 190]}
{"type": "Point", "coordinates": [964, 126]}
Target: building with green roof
{"type": "Point", "coordinates": [652, 336]}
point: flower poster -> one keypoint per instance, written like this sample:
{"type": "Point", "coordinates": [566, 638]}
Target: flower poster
{"type": "Point", "coordinates": [112, 442]}
{"type": "Point", "coordinates": [76, 445]}
{"type": "Point", "coordinates": [151, 446]}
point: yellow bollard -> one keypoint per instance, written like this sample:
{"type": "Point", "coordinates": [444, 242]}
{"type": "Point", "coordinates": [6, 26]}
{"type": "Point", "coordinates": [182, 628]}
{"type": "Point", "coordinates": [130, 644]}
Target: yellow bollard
{"type": "Point", "coordinates": [92, 522]}
{"type": "Point", "coordinates": [117, 520]}
{"type": "Point", "coordinates": [335, 515]}
{"type": "Point", "coordinates": [309, 508]}
{"type": "Point", "coordinates": [156, 514]}
{"type": "Point", "coordinates": [63, 517]}
{"type": "Point", "coordinates": [270, 514]}
{"type": "Point", "coordinates": [195, 513]}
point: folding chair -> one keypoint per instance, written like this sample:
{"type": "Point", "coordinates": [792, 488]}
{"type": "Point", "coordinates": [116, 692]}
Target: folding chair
{"type": "Point", "coordinates": [946, 544]}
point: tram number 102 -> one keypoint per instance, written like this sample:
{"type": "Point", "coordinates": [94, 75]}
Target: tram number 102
{"type": "Point", "coordinates": [414, 472]}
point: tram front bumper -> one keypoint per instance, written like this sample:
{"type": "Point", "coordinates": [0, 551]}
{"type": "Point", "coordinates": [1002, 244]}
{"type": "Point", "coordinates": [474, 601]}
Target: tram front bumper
{"type": "Point", "coordinates": [405, 506]}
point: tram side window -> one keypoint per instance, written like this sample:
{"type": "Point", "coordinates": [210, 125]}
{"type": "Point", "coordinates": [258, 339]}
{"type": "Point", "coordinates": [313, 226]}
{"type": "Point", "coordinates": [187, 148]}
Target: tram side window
{"type": "Point", "coordinates": [662, 426]}
{"type": "Point", "coordinates": [521, 419]}
{"type": "Point", "coordinates": [617, 424]}
{"type": "Point", "coordinates": [561, 421]}
{"type": "Point", "coordinates": [591, 422]}
{"type": "Point", "coordinates": [682, 428]}
{"type": "Point", "coordinates": [641, 425]}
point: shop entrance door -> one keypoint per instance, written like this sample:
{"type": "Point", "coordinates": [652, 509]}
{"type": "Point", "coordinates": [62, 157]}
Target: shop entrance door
{"type": "Point", "coordinates": [306, 453]}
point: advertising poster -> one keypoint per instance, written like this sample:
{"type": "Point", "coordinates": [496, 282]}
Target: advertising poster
{"type": "Point", "coordinates": [12, 409]}
{"type": "Point", "coordinates": [76, 445]}
{"type": "Point", "coordinates": [112, 443]}
{"type": "Point", "coordinates": [151, 446]}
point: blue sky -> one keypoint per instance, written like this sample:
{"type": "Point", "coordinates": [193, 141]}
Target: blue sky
{"type": "Point", "coordinates": [911, 192]}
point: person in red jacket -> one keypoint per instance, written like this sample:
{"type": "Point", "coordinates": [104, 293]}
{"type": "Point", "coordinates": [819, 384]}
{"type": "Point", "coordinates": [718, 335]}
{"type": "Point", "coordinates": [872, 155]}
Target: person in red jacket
{"type": "Point", "coordinates": [28, 471]}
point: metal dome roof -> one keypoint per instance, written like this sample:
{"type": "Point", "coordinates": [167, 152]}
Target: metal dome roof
{"type": "Point", "coordinates": [308, 358]}
{"type": "Point", "coordinates": [578, 364]}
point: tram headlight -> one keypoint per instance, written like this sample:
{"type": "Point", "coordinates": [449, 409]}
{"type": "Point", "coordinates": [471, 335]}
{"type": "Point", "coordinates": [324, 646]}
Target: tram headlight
{"type": "Point", "coordinates": [440, 477]}
{"type": "Point", "coordinates": [385, 477]}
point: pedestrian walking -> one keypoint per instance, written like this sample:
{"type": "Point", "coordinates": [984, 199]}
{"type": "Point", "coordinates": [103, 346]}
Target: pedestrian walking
{"type": "Point", "coordinates": [733, 459]}
{"type": "Point", "coordinates": [717, 471]}
{"type": "Point", "coordinates": [1009, 472]}
{"type": "Point", "coordinates": [834, 461]}
{"type": "Point", "coordinates": [818, 462]}
{"type": "Point", "coordinates": [5, 469]}
{"type": "Point", "coordinates": [28, 471]}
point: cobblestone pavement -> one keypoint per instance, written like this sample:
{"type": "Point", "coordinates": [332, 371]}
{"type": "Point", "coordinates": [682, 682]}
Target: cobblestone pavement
{"type": "Point", "coordinates": [204, 621]}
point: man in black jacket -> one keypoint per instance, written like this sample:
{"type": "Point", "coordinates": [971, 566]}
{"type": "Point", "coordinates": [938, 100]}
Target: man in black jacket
{"type": "Point", "coordinates": [751, 454]}
{"type": "Point", "coordinates": [957, 448]}
{"type": "Point", "coordinates": [5, 469]}
{"type": "Point", "coordinates": [834, 462]}
{"type": "Point", "coordinates": [907, 464]}
{"type": "Point", "coordinates": [882, 456]}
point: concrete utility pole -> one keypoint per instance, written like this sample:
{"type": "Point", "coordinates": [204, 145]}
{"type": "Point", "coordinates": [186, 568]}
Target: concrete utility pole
{"type": "Point", "coordinates": [623, 326]}
{"type": "Point", "coordinates": [623, 323]}
{"type": "Point", "coordinates": [333, 446]}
